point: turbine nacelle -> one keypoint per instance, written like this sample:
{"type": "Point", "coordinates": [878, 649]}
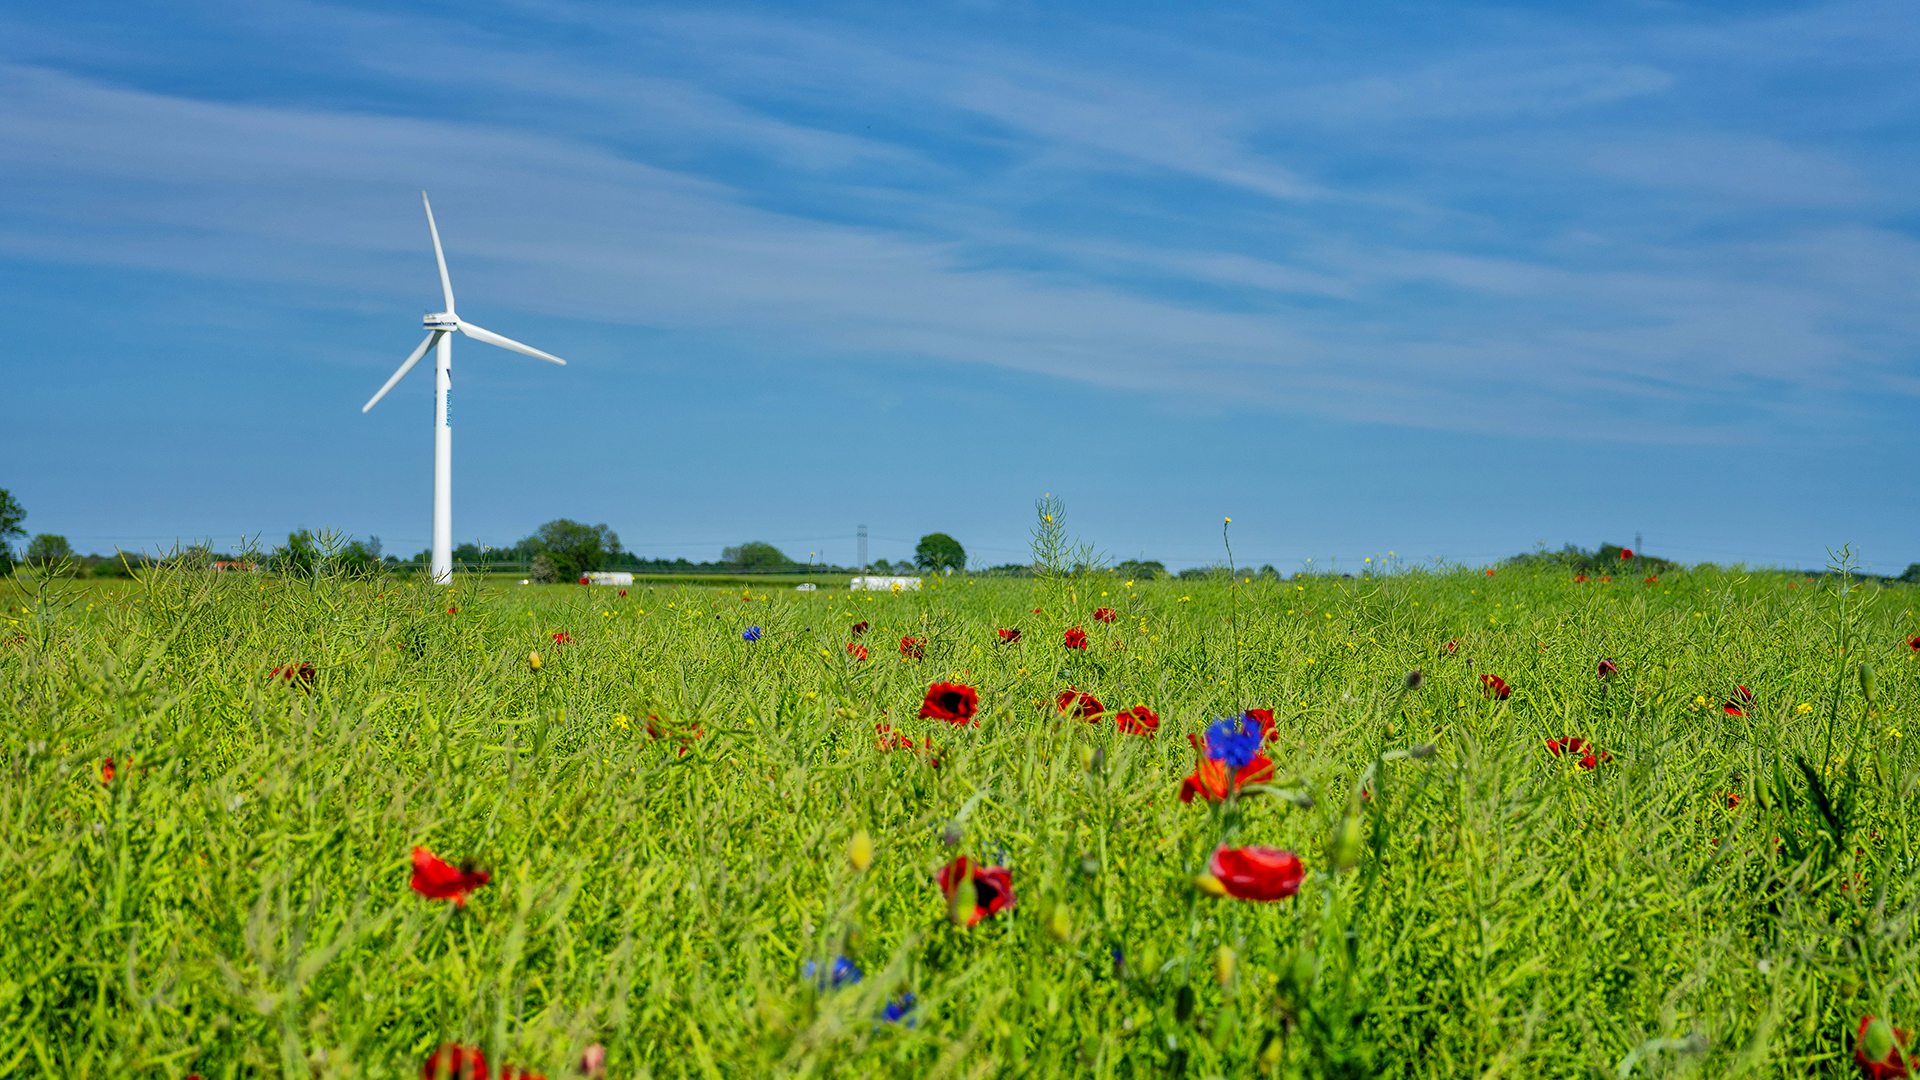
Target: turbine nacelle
{"type": "Point", "coordinates": [446, 320]}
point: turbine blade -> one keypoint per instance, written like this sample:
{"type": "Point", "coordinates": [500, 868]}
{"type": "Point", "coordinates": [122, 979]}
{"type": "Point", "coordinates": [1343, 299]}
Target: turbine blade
{"type": "Point", "coordinates": [481, 333]}
{"type": "Point", "coordinates": [432, 339]}
{"type": "Point", "coordinates": [446, 283]}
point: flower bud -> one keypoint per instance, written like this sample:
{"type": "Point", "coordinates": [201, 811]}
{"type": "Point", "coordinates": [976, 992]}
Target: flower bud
{"type": "Point", "coordinates": [1415, 679]}
{"type": "Point", "coordinates": [1867, 682]}
{"type": "Point", "coordinates": [1223, 965]}
{"type": "Point", "coordinates": [1347, 843]}
{"type": "Point", "coordinates": [1876, 1040]}
{"type": "Point", "coordinates": [1210, 885]}
{"type": "Point", "coordinates": [1424, 750]}
{"type": "Point", "coordinates": [1270, 1052]}
{"type": "Point", "coordinates": [533, 660]}
{"type": "Point", "coordinates": [960, 905]}
{"type": "Point", "coordinates": [860, 850]}
{"type": "Point", "coordinates": [1060, 923]}
{"type": "Point", "coordinates": [952, 834]}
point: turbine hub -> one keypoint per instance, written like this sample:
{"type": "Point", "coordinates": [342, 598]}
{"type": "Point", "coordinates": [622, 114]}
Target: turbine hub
{"type": "Point", "coordinates": [445, 320]}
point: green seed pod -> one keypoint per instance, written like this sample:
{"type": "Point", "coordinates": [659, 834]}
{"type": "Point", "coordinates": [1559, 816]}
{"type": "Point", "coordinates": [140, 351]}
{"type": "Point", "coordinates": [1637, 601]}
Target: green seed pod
{"type": "Point", "coordinates": [1183, 1004]}
{"type": "Point", "coordinates": [1347, 843]}
{"type": "Point", "coordinates": [1060, 923]}
{"type": "Point", "coordinates": [1300, 973]}
{"type": "Point", "coordinates": [1867, 682]}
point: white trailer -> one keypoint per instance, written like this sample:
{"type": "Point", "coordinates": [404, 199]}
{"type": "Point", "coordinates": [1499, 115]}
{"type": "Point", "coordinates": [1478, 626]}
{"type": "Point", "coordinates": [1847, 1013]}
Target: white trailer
{"type": "Point", "coordinates": [885, 584]}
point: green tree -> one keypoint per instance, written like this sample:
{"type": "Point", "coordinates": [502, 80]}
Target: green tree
{"type": "Point", "coordinates": [574, 547]}
{"type": "Point", "coordinates": [11, 515]}
{"type": "Point", "coordinates": [299, 556]}
{"type": "Point", "coordinates": [938, 551]}
{"type": "Point", "coordinates": [48, 549]}
{"type": "Point", "coordinates": [756, 555]}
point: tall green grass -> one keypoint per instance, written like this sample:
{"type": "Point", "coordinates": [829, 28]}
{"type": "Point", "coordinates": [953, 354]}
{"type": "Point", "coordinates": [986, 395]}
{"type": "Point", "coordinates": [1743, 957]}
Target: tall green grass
{"type": "Point", "coordinates": [235, 901]}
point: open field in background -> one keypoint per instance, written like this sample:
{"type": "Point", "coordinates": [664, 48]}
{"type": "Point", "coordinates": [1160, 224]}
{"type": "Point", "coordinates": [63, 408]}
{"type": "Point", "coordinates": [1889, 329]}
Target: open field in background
{"type": "Point", "coordinates": [1725, 894]}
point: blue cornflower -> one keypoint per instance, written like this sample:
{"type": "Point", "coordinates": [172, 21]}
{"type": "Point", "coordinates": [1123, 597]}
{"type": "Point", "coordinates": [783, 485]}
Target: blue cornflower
{"type": "Point", "coordinates": [898, 1009]}
{"type": "Point", "coordinates": [751, 633]}
{"type": "Point", "coordinates": [843, 973]}
{"type": "Point", "coordinates": [1234, 742]}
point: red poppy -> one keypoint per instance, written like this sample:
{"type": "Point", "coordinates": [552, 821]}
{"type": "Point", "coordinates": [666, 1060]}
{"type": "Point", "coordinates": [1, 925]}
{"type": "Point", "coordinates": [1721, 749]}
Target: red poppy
{"type": "Point", "coordinates": [860, 628]}
{"type": "Point", "coordinates": [858, 652]}
{"type": "Point", "coordinates": [693, 731]}
{"type": "Point", "coordinates": [436, 879]}
{"type": "Point", "coordinates": [1495, 687]}
{"type": "Point", "coordinates": [623, 592]}
{"type": "Point", "coordinates": [1579, 577]}
{"type": "Point", "coordinates": [1138, 720]}
{"type": "Point", "coordinates": [1732, 708]}
{"type": "Point", "coordinates": [453, 611]}
{"type": "Point", "coordinates": [1265, 717]}
{"type": "Point", "coordinates": [891, 739]}
{"type": "Point", "coordinates": [1210, 780]}
{"type": "Point", "coordinates": [301, 675]}
{"type": "Point", "coordinates": [1569, 746]}
{"type": "Point", "coordinates": [561, 637]}
{"type": "Point", "coordinates": [1083, 705]}
{"type": "Point", "coordinates": [1653, 578]}
{"type": "Point", "coordinates": [1608, 669]}
{"type": "Point", "coordinates": [1892, 1062]}
{"type": "Point", "coordinates": [456, 1062]}
{"type": "Point", "coordinates": [106, 771]}
{"type": "Point", "coordinates": [992, 887]}
{"type": "Point", "coordinates": [1914, 643]}
{"type": "Point", "coordinates": [1257, 873]}
{"type": "Point", "coordinates": [1076, 638]}
{"type": "Point", "coordinates": [1489, 572]}
{"type": "Point", "coordinates": [1733, 799]}
{"type": "Point", "coordinates": [1105, 614]}
{"type": "Point", "coordinates": [1010, 636]}
{"type": "Point", "coordinates": [1452, 647]}
{"type": "Point", "coordinates": [1626, 553]}
{"type": "Point", "coordinates": [913, 648]}
{"type": "Point", "coordinates": [1605, 580]}
{"type": "Point", "coordinates": [1036, 611]}
{"type": "Point", "coordinates": [951, 702]}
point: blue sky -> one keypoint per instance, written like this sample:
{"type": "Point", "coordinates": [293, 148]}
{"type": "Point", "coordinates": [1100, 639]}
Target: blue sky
{"type": "Point", "coordinates": [1446, 280]}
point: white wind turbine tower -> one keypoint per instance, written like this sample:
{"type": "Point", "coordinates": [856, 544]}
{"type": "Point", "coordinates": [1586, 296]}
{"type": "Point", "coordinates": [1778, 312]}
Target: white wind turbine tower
{"type": "Point", "coordinates": [440, 330]}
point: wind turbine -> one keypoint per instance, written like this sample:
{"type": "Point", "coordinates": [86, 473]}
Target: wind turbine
{"type": "Point", "coordinates": [440, 328]}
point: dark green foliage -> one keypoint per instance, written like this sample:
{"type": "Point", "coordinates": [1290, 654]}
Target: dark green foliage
{"type": "Point", "coordinates": [48, 551]}
{"type": "Point", "coordinates": [1137, 570]}
{"type": "Point", "coordinates": [574, 547]}
{"type": "Point", "coordinates": [938, 551]}
{"type": "Point", "coordinates": [1606, 560]}
{"type": "Point", "coordinates": [756, 555]}
{"type": "Point", "coordinates": [11, 515]}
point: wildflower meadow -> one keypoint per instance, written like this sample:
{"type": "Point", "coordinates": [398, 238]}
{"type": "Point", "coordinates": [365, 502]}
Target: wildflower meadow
{"type": "Point", "coordinates": [1414, 823]}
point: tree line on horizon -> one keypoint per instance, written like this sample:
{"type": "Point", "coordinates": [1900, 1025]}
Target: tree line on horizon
{"type": "Point", "coordinates": [564, 549]}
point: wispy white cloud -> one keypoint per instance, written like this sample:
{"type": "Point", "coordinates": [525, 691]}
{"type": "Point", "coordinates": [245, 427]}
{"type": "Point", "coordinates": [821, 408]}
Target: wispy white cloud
{"type": "Point", "coordinates": [1151, 231]}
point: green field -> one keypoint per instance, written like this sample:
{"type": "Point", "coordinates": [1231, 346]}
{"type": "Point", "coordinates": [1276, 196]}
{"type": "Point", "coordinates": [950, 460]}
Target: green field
{"type": "Point", "coordinates": [235, 901]}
